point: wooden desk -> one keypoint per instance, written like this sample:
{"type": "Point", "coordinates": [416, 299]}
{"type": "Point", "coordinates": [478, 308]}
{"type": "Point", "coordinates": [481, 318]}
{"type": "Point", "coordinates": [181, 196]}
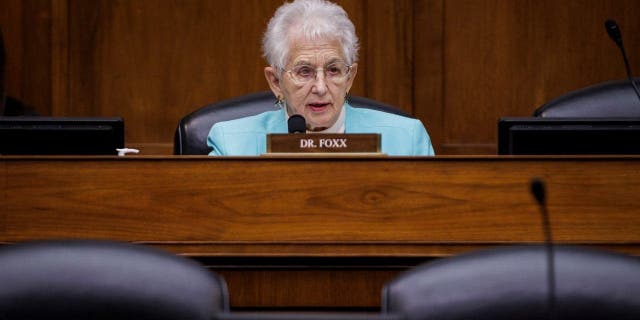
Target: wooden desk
{"type": "Point", "coordinates": [319, 232]}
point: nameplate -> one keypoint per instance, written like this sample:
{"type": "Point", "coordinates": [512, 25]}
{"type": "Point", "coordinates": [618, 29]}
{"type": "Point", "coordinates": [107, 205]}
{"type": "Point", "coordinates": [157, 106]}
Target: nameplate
{"type": "Point", "coordinates": [323, 143]}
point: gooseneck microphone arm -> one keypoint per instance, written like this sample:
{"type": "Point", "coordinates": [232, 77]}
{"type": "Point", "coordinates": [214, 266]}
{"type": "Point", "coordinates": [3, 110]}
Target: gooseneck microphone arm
{"type": "Point", "coordinates": [539, 193]}
{"type": "Point", "coordinates": [616, 35]}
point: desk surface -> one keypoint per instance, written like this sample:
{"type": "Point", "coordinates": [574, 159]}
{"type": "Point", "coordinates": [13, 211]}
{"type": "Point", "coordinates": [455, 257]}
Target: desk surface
{"type": "Point", "coordinates": [337, 206]}
{"type": "Point", "coordinates": [321, 207]}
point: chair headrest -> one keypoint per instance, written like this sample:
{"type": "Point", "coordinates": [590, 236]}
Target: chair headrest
{"type": "Point", "coordinates": [511, 283]}
{"type": "Point", "coordinates": [78, 279]}
{"type": "Point", "coordinates": [612, 99]}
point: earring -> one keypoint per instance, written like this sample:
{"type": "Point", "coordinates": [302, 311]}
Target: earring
{"type": "Point", "coordinates": [280, 102]}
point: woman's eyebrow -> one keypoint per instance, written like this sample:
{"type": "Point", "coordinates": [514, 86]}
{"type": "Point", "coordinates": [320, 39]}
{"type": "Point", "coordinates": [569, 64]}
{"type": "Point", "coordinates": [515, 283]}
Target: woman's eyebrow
{"type": "Point", "coordinates": [302, 63]}
{"type": "Point", "coordinates": [333, 60]}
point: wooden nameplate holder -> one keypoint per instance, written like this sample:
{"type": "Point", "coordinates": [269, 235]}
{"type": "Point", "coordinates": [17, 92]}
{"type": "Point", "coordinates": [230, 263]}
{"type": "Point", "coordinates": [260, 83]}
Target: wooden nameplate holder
{"type": "Point", "coordinates": [362, 143]}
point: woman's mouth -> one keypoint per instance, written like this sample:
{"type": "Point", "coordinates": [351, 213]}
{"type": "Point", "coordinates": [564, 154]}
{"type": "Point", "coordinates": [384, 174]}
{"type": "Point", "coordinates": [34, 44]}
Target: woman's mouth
{"type": "Point", "coordinates": [318, 106]}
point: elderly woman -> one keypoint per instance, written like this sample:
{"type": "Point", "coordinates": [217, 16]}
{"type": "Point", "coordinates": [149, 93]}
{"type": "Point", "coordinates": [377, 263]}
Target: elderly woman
{"type": "Point", "coordinates": [312, 51]}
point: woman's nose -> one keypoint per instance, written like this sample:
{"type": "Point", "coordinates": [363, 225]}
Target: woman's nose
{"type": "Point", "coordinates": [320, 82]}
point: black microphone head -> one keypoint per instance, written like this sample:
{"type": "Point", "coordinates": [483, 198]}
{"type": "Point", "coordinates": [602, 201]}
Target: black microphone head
{"type": "Point", "coordinates": [297, 124]}
{"type": "Point", "coordinates": [538, 190]}
{"type": "Point", "coordinates": [614, 31]}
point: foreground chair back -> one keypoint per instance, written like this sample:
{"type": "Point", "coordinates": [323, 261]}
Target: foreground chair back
{"type": "Point", "coordinates": [80, 279]}
{"type": "Point", "coordinates": [612, 99]}
{"type": "Point", "coordinates": [190, 137]}
{"type": "Point", "coordinates": [511, 283]}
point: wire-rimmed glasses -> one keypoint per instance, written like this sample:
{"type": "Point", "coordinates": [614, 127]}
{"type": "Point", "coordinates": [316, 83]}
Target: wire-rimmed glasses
{"type": "Point", "coordinates": [336, 72]}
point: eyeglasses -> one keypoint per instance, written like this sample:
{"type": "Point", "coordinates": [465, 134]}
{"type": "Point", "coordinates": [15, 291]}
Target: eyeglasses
{"type": "Point", "coordinates": [335, 72]}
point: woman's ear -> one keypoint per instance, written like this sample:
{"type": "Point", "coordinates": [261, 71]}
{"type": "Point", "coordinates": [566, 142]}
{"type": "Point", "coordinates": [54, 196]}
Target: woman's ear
{"type": "Point", "coordinates": [271, 74]}
{"type": "Point", "coordinates": [352, 75]}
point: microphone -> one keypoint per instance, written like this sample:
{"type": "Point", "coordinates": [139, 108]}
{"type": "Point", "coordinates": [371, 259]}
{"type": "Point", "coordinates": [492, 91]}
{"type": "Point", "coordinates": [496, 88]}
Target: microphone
{"type": "Point", "coordinates": [297, 124]}
{"type": "Point", "coordinates": [614, 33]}
{"type": "Point", "coordinates": [539, 193]}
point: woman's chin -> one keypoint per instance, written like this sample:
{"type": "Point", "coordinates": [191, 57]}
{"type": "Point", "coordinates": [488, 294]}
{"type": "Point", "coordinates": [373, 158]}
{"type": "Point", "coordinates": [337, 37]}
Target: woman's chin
{"type": "Point", "coordinates": [318, 124]}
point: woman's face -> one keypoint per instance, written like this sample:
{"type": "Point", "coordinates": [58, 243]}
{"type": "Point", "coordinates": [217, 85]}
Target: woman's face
{"type": "Point", "coordinates": [315, 81]}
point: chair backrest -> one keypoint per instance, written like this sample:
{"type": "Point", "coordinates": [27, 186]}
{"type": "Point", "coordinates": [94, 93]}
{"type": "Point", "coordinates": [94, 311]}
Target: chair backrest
{"type": "Point", "coordinates": [190, 137]}
{"type": "Point", "coordinates": [612, 99]}
{"type": "Point", "coordinates": [511, 283]}
{"type": "Point", "coordinates": [81, 279]}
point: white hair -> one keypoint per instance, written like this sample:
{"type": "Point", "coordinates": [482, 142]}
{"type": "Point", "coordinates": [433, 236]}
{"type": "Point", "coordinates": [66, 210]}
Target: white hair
{"type": "Point", "coordinates": [311, 19]}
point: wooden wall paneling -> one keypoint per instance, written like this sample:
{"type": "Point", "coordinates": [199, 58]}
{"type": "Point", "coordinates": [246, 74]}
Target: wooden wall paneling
{"type": "Point", "coordinates": [83, 69]}
{"type": "Point", "coordinates": [26, 26]}
{"type": "Point", "coordinates": [3, 20]}
{"type": "Point", "coordinates": [153, 62]}
{"type": "Point", "coordinates": [486, 49]}
{"type": "Point", "coordinates": [36, 55]}
{"type": "Point", "coordinates": [11, 24]}
{"type": "Point", "coordinates": [2, 72]}
{"type": "Point", "coordinates": [59, 56]}
{"type": "Point", "coordinates": [307, 287]}
{"type": "Point", "coordinates": [388, 47]}
{"type": "Point", "coordinates": [429, 67]}
{"type": "Point", "coordinates": [505, 58]}
{"type": "Point", "coordinates": [572, 49]}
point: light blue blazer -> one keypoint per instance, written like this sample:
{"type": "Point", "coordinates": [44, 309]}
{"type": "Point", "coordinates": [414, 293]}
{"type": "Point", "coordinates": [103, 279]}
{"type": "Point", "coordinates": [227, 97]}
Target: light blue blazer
{"type": "Point", "coordinates": [401, 136]}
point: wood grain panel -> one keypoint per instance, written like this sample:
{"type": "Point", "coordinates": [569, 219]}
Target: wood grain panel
{"type": "Point", "coordinates": [37, 55]}
{"type": "Point", "coordinates": [320, 200]}
{"type": "Point", "coordinates": [428, 69]}
{"type": "Point", "coordinates": [11, 24]}
{"type": "Point", "coordinates": [306, 287]}
{"type": "Point", "coordinates": [59, 56]}
{"type": "Point", "coordinates": [154, 61]}
{"type": "Point", "coordinates": [26, 26]}
{"type": "Point", "coordinates": [388, 47]}
{"type": "Point", "coordinates": [509, 57]}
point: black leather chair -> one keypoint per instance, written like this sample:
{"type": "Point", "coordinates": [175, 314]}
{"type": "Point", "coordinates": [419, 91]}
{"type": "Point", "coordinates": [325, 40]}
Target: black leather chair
{"type": "Point", "coordinates": [81, 279]}
{"type": "Point", "coordinates": [612, 99]}
{"type": "Point", "coordinates": [511, 283]}
{"type": "Point", "coordinates": [190, 137]}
